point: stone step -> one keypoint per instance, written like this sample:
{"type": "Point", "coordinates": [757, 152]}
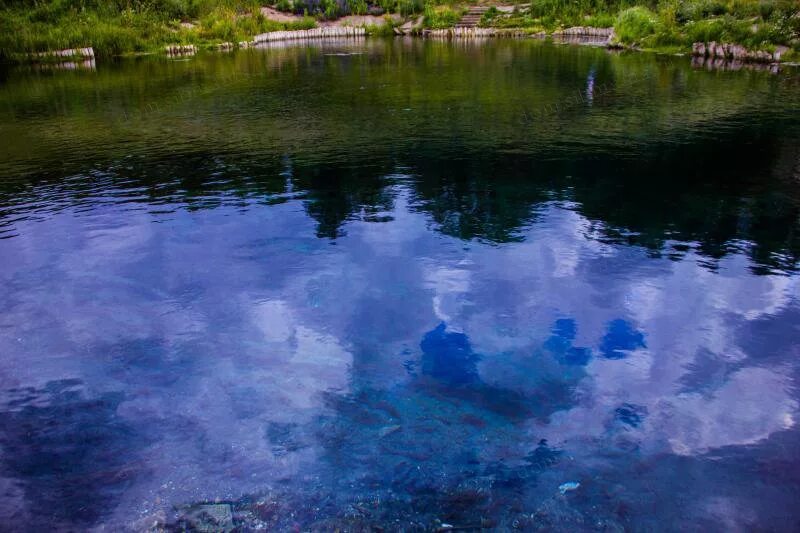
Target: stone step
{"type": "Point", "coordinates": [472, 17]}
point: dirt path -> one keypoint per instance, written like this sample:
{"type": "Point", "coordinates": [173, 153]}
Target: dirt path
{"type": "Point", "coordinates": [279, 16]}
{"type": "Point", "coordinates": [351, 20]}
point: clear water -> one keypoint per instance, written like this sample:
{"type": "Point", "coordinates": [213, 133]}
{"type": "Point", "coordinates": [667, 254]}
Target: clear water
{"type": "Point", "coordinates": [400, 284]}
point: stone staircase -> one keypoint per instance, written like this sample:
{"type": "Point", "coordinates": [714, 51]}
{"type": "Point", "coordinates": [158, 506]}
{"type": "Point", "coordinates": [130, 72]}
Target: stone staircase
{"type": "Point", "coordinates": [472, 18]}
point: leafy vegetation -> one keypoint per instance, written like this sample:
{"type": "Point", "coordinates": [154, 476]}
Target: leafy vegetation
{"type": "Point", "coordinates": [517, 19]}
{"type": "Point", "coordinates": [440, 17]}
{"type": "Point", "coordinates": [129, 26]}
{"type": "Point", "coordinates": [118, 27]}
{"type": "Point", "coordinates": [676, 24]}
{"type": "Point", "coordinates": [634, 24]}
{"type": "Point", "coordinates": [756, 24]}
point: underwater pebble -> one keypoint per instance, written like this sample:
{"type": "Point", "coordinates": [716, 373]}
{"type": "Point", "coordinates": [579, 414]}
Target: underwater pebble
{"type": "Point", "coordinates": [568, 486]}
{"type": "Point", "coordinates": [209, 517]}
{"type": "Point", "coordinates": [388, 430]}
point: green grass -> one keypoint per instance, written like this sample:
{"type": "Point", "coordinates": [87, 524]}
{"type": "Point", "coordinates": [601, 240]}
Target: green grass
{"type": "Point", "coordinates": [227, 25]}
{"type": "Point", "coordinates": [635, 24]}
{"type": "Point", "coordinates": [666, 25]}
{"type": "Point", "coordinates": [440, 17]}
{"type": "Point", "coordinates": [518, 19]}
{"type": "Point", "coordinates": [753, 24]}
{"type": "Point", "coordinates": [381, 30]}
{"type": "Point", "coordinates": [27, 27]}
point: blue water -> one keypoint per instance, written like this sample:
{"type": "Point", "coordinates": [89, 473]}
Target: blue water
{"type": "Point", "coordinates": [334, 313]}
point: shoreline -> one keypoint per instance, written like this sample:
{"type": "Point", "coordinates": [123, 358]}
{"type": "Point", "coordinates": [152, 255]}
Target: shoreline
{"type": "Point", "coordinates": [746, 32]}
{"type": "Point", "coordinates": [51, 33]}
{"type": "Point", "coordinates": [726, 56]}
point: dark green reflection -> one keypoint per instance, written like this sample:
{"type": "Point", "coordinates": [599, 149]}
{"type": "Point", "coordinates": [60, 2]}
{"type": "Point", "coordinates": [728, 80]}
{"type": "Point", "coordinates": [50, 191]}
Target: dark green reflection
{"type": "Point", "coordinates": [658, 154]}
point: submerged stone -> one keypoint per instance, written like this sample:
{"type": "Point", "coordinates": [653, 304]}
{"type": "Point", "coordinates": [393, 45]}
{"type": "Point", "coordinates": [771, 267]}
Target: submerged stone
{"type": "Point", "coordinates": [568, 486]}
{"type": "Point", "coordinates": [388, 430]}
{"type": "Point", "coordinates": [208, 518]}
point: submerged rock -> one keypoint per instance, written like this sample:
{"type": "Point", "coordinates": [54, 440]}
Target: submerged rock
{"type": "Point", "coordinates": [568, 486]}
{"type": "Point", "coordinates": [736, 51]}
{"type": "Point", "coordinates": [208, 517]}
{"type": "Point", "coordinates": [87, 53]}
{"type": "Point", "coordinates": [699, 49]}
{"type": "Point", "coordinates": [149, 523]}
{"type": "Point", "coordinates": [181, 50]}
{"type": "Point", "coordinates": [388, 430]}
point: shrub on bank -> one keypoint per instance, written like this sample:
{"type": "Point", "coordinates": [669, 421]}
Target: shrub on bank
{"type": "Point", "coordinates": [635, 24]}
{"type": "Point", "coordinates": [27, 26]}
{"type": "Point", "coordinates": [123, 26]}
{"type": "Point", "coordinates": [437, 18]}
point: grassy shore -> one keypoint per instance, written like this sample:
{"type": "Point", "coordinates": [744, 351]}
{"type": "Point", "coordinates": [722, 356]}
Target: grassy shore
{"type": "Point", "coordinates": [130, 26]}
{"type": "Point", "coordinates": [671, 25]}
{"type": "Point", "coordinates": [119, 27]}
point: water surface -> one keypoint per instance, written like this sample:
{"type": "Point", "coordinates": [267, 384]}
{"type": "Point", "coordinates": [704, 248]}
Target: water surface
{"type": "Point", "coordinates": [401, 283]}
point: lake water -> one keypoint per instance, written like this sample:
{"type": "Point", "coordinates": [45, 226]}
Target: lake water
{"type": "Point", "coordinates": [401, 284]}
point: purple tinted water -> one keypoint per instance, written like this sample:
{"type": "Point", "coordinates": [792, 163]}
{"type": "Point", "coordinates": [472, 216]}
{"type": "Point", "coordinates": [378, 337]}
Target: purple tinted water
{"type": "Point", "coordinates": [322, 311]}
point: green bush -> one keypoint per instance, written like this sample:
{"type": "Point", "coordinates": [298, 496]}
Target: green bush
{"type": "Point", "coordinates": [704, 31]}
{"type": "Point", "coordinates": [439, 18]}
{"type": "Point", "coordinates": [489, 16]}
{"type": "Point", "coordinates": [635, 24]}
{"type": "Point", "coordinates": [701, 9]}
{"type": "Point", "coordinates": [548, 8]}
{"type": "Point", "coordinates": [515, 21]}
{"type": "Point", "coordinates": [136, 28]}
{"type": "Point", "coordinates": [329, 8]}
{"type": "Point", "coordinates": [387, 5]}
{"type": "Point", "coordinates": [381, 30]}
{"type": "Point", "coordinates": [357, 7]}
{"type": "Point", "coordinates": [409, 7]}
{"type": "Point", "coordinates": [601, 20]}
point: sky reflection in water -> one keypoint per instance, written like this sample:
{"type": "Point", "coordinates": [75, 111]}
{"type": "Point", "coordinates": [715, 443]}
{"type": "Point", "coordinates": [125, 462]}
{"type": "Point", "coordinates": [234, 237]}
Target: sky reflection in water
{"type": "Point", "coordinates": [406, 353]}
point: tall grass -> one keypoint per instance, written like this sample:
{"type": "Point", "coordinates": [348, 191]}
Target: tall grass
{"type": "Point", "coordinates": [228, 25]}
{"type": "Point", "coordinates": [752, 23]}
{"type": "Point", "coordinates": [440, 17]}
{"type": "Point", "coordinates": [119, 27]}
{"type": "Point", "coordinates": [677, 23]}
{"type": "Point", "coordinates": [634, 24]}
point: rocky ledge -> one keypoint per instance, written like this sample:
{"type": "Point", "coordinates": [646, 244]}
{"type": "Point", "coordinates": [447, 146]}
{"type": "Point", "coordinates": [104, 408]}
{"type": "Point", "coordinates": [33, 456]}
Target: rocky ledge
{"type": "Point", "coordinates": [69, 53]}
{"type": "Point", "coordinates": [737, 52]}
{"type": "Point", "coordinates": [181, 50]}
